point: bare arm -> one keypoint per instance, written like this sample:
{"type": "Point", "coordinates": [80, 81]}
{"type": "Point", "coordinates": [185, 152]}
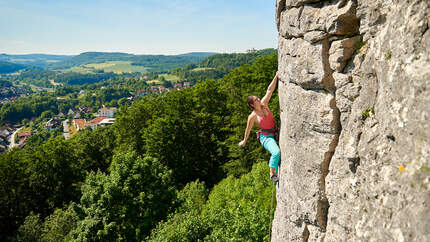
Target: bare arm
{"type": "Point", "coordinates": [249, 125]}
{"type": "Point", "coordinates": [270, 89]}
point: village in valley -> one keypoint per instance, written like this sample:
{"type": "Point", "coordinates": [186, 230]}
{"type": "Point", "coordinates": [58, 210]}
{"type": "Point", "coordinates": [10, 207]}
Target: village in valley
{"type": "Point", "coordinates": [17, 135]}
{"type": "Point", "coordinates": [73, 120]}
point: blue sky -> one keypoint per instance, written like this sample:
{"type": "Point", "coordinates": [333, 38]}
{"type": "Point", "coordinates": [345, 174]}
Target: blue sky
{"type": "Point", "coordinates": [136, 26]}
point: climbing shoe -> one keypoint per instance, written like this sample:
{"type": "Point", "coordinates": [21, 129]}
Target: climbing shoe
{"type": "Point", "coordinates": [274, 178]}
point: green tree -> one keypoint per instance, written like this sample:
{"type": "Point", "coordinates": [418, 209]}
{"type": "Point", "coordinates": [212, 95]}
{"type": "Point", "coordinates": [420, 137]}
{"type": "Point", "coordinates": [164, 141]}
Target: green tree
{"type": "Point", "coordinates": [127, 203]}
{"type": "Point", "coordinates": [31, 229]}
{"type": "Point", "coordinates": [185, 224]}
{"type": "Point", "coordinates": [15, 194]}
{"type": "Point", "coordinates": [58, 225]}
{"type": "Point", "coordinates": [188, 136]}
{"type": "Point", "coordinates": [239, 209]}
{"type": "Point", "coordinates": [46, 115]}
{"type": "Point", "coordinates": [94, 148]}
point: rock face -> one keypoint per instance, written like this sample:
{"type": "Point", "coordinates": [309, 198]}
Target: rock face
{"type": "Point", "coordinates": [355, 120]}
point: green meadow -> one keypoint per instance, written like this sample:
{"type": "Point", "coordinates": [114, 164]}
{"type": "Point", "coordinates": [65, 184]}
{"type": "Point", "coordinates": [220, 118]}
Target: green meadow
{"type": "Point", "coordinates": [171, 78]}
{"type": "Point", "coordinates": [202, 68]}
{"type": "Point", "coordinates": [118, 67]}
{"type": "Point", "coordinates": [109, 66]}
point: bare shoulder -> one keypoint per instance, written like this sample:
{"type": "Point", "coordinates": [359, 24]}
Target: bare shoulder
{"type": "Point", "coordinates": [252, 116]}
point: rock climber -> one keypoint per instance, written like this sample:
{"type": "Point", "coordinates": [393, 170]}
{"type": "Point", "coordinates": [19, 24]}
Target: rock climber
{"type": "Point", "coordinates": [263, 117]}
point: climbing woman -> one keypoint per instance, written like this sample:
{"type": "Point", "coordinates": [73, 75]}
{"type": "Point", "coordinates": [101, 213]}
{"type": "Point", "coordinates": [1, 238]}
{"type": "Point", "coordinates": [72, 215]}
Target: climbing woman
{"type": "Point", "coordinates": [263, 117]}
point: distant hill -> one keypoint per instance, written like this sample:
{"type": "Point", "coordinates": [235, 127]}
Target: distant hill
{"type": "Point", "coordinates": [153, 62]}
{"type": "Point", "coordinates": [227, 62]}
{"type": "Point", "coordinates": [7, 67]}
{"type": "Point", "coordinates": [218, 65]}
{"type": "Point", "coordinates": [95, 57]}
{"type": "Point", "coordinates": [199, 54]}
{"type": "Point", "coordinates": [36, 60]}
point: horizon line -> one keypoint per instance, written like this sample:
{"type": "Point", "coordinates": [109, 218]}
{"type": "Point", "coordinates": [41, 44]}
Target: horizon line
{"type": "Point", "coordinates": [111, 52]}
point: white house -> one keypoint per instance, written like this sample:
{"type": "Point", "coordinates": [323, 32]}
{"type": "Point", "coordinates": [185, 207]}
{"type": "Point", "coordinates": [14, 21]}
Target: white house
{"type": "Point", "coordinates": [107, 112]}
{"type": "Point", "coordinates": [107, 121]}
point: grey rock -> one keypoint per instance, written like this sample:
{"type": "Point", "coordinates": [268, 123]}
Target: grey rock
{"type": "Point", "coordinates": [299, 68]}
{"type": "Point", "coordinates": [341, 52]}
{"type": "Point", "coordinates": [355, 121]}
{"type": "Point", "coordinates": [326, 17]}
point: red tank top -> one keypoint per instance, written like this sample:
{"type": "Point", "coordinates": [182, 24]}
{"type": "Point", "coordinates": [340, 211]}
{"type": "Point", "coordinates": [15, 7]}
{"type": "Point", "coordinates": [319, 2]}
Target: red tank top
{"type": "Point", "coordinates": [267, 123]}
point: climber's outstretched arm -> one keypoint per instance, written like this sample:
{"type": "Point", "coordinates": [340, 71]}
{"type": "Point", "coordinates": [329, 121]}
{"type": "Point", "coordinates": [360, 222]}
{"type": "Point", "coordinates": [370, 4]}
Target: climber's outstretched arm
{"type": "Point", "coordinates": [270, 89]}
{"type": "Point", "coordinates": [249, 124]}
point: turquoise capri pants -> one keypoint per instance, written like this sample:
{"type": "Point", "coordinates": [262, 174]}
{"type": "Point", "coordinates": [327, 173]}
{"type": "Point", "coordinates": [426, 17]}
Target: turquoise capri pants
{"type": "Point", "coordinates": [269, 143]}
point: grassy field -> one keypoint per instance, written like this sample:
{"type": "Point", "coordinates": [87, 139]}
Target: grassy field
{"type": "Point", "coordinates": [110, 66]}
{"type": "Point", "coordinates": [118, 67]}
{"type": "Point", "coordinates": [55, 83]}
{"type": "Point", "coordinates": [202, 68]}
{"type": "Point", "coordinates": [171, 78]}
{"type": "Point", "coordinates": [153, 82]}
{"type": "Point", "coordinates": [22, 60]}
{"type": "Point", "coordinates": [78, 69]}
{"type": "Point", "coordinates": [35, 88]}
{"type": "Point", "coordinates": [39, 89]}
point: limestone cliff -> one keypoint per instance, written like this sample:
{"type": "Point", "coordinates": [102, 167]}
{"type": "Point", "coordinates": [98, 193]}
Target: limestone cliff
{"type": "Point", "coordinates": [355, 120]}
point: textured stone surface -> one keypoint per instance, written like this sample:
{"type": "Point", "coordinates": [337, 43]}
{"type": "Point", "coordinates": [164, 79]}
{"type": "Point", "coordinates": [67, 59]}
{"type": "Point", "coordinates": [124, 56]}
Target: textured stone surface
{"type": "Point", "coordinates": [355, 121]}
{"type": "Point", "coordinates": [341, 51]}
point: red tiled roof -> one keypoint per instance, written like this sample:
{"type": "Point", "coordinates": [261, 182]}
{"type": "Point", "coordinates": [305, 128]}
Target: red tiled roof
{"type": "Point", "coordinates": [24, 134]}
{"type": "Point", "coordinates": [80, 123]}
{"type": "Point", "coordinates": [96, 120]}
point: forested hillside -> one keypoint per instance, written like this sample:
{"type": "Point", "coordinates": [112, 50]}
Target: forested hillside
{"type": "Point", "coordinates": [169, 169]}
{"type": "Point", "coordinates": [34, 61]}
{"type": "Point", "coordinates": [56, 62]}
{"type": "Point", "coordinates": [218, 65]}
{"type": "Point", "coordinates": [153, 62]}
{"type": "Point", "coordinates": [7, 67]}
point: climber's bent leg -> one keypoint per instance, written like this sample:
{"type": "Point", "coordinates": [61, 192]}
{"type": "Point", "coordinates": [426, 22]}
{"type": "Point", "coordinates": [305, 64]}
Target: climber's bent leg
{"type": "Point", "coordinates": [269, 143]}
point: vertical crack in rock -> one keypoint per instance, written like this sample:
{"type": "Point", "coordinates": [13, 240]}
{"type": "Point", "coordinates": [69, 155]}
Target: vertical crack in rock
{"type": "Point", "coordinates": [306, 234]}
{"type": "Point", "coordinates": [328, 83]}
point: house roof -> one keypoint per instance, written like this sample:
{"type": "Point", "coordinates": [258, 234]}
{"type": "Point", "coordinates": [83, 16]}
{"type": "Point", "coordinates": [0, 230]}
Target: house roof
{"type": "Point", "coordinates": [96, 120]}
{"type": "Point", "coordinates": [105, 109]}
{"type": "Point", "coordinates": [80, 123]}
{"type": "Point", "coordinates": [107, 121]}
{"type": "Point", "coordinates": [24, 134]}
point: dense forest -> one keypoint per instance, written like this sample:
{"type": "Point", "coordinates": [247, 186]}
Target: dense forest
{"type": "Point", "coordinates": [7, 67]}
{"type": "Point", "coordinates": [218, 65]}
{"type": "Point", "coordinates": [168, 169]}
